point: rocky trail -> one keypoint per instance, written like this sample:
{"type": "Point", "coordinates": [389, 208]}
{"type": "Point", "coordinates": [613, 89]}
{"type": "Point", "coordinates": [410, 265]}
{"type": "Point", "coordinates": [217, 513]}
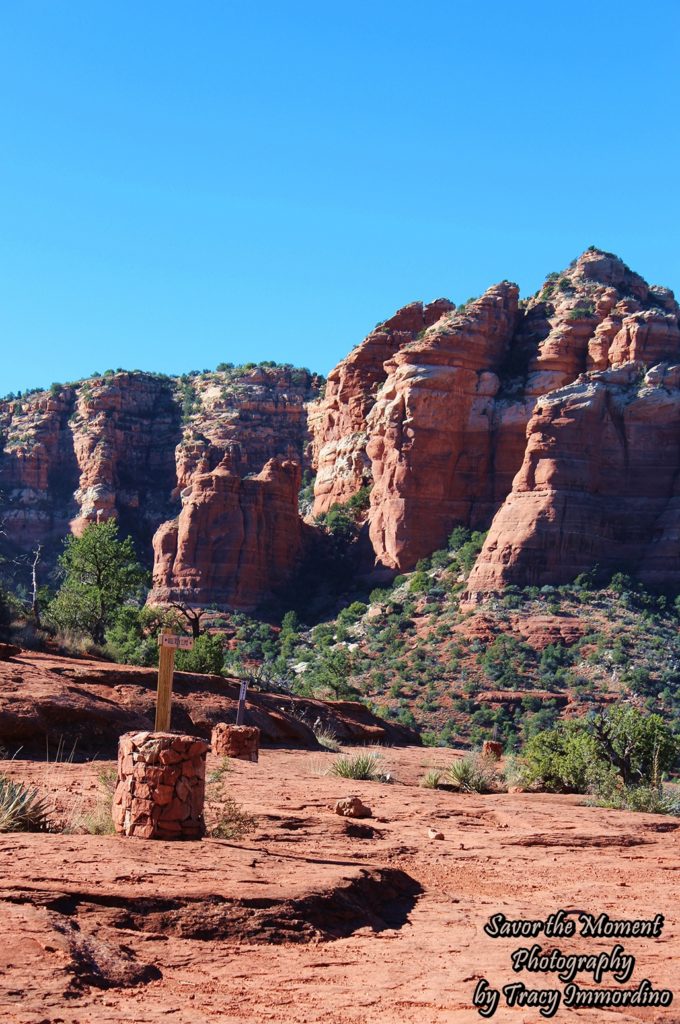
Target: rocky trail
{"type": "Point", "coordinates": [315, 917]}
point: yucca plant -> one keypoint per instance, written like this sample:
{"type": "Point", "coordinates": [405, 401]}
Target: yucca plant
{"type": "Point", "coordinates": [22, 808]}
{"type": "Point", "coordinates": [431, 779]}
{"type": "Point", "coordinates": [361, 766]}
{"type": "Point", "coordinates": [472, 774]}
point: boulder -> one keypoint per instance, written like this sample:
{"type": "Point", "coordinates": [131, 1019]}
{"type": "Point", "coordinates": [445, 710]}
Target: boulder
{"type": "Point", "coordinates": [352, 807]}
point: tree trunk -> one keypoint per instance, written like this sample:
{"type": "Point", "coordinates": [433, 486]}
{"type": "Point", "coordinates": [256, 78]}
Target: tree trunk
{"type": "Point", "coordinates": [35, 608]}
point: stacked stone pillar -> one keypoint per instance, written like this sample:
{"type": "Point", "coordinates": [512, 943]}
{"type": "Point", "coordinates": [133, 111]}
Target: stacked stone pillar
{"type": "Point", "coordinates": [239, 741]}
{"type": "Point", "coordinates": [161, 786]}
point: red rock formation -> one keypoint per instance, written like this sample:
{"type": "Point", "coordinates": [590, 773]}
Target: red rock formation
{"type": "Point", "coordinates": [38, 470]}
{"type": "Point", "coordinates": [115, 446]}
{"type": "Point", "coordinates": [262, 409]}
{"type": "Point", "coordinates": [124, 431]}
{"type": "Point", "coordinates": [431, 429]}
{"type": "Point", "coordinates": [237, 539]}
{"type": "Point", "coordinates": [86, 453]}
{"type": "Point", "coordinates": [47, 701]}
{"type": "Point", "coordinates": [338, 421]}
{"type": "Point", "coordinates": [598, 485]}
{"type": "Point", "coordinates": [446, 431]}
{"type": "Point", "coordinates": [431, 411]}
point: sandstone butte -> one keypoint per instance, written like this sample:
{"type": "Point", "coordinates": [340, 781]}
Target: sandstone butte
{"type": "Point", "coordinates": [553, 421]}
{"type": "Point", "coordinates": [222, 452]}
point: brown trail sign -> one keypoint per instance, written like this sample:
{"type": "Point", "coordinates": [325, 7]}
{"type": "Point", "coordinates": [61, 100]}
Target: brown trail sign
{"type": "Point", "coordinates": [168, 644]}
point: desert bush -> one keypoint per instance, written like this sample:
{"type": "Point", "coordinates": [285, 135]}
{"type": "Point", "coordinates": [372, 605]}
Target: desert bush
{"type": "Point", "coordinates": [331, 670]}
{"type": "Point", "coordinates": [563, 759]}
{"type": "Point", "coordinates": [472, 774]}
{"type": "Point", "coordinates": [207, 655]}
{"type": "Point", "coordinates": [22, 807]}
{"type": "Point", "coordinates": [232, 821]}
{"type": "Point", "coordinates": [582, 755]}
{"type": "Point", "coordinates": [643, 799]}
{"type": "Point", "coordinates": [514, 772]}
{"type": "Point", "coordinates": [133, 637]}
{"type": "Point", "coordinates": [640, 747]}
{"type": "Point", "coordinates": [327, 738]}
{"type": "Point", "coordinates": [505, 660]}
{"type": "Point", "coordinates": [431, 778]}
{"type": "Point", "coordinates": [98, 821]}
{"type": "Point", "coordinates": [361, 766]}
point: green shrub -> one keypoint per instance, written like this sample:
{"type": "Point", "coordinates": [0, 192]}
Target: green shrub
{"type": "Point", "coordinates": [419, 583]}
{"type": "Point", "coordinates": [563, 759]}
{"type": "Point", "coordinates": [643, 799]}
{"type": "Point", "coordinates": [639, 747]}
{"type": "Point", "coordinates": [232, 821]}
{"type": "Point", "coordinates": [133, 638]}
{"type": "Point", "coordinates": [340, 523]}
{"type": "Point", "coordinates": [359, 502]}
{"type": "Point", "coordinates": [505, 660]}
{"type": "Point", "coordinates": [350, 616]}
{"type": "Point", "coordinates": [331, 670]}
{"type": "Point", "coordinates": [206, 656]}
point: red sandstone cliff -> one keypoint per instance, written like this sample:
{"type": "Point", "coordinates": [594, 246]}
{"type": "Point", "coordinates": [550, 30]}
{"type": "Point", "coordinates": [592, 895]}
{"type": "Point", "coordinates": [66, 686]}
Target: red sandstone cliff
{"type": "Point", "coordinates": [237, 539]}
{"type": "Point", "coordinates": [445, 432]}
{"type": "Point", "coordinates": [125, 445]}
{"type": "Point", "coordinates": [598, 485]}
{"type": "Point", "coordinates": [338, 422]}
{"type": "Point", "coordinates": [437, 411]}
{"type": "Point", "coordinates": [430, 431]}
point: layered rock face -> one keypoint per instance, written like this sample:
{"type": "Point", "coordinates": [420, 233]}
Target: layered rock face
{"type": "Point", "coordinates": [338, 422]}
{"type": "Point", "coordinates": [571, 394]}
{"type": "Point", "coordinates": [238, 536]}
{"type": "Point", "coordinates": [86, 453]}
{"type": "Point", "coordinates": [38, 468]}
{"type": "Point", "coordinates": [237, 539]}
{"type": "Point", "coordinates": [124, 432]}
{"type": "Point", "coordinates": [430, 431]}
{"type": "Point", "coordinates": [446, 431]}
{"type": "Point", "coordinates": [128, 445]}
{"type": "Point", "coordinates": [599, 485]}
{"type": "Point", "coordinates": [263, 410]}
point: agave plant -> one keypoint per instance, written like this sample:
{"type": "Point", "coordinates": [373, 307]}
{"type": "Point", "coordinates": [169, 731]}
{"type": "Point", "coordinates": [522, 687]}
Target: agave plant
{"type": "Point", "coordinates": [362, 766]}
{"type": "Point", "coordinates": [22, 808]}
{"type": "Point", "coordinates": [472, 774]}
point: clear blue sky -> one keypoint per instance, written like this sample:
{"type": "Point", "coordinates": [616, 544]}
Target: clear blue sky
{"type": "Point", "coordinates": [186, 183]}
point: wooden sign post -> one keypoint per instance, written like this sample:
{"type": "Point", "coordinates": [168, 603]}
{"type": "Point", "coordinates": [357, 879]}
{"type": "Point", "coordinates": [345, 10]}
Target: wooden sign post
{"type": "Point", "coordinates": [168, 644]}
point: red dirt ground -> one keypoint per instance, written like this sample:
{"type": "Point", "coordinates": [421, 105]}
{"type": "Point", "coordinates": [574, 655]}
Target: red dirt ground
{"type": "Point", "coordinates": [315, 918]}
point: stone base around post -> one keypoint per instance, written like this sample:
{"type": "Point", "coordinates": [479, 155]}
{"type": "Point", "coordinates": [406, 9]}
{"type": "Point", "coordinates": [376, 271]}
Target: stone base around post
{"type": "Point", "coordinates": [161, 786]}
{"type": "Point", "coordinates": [239, 741]}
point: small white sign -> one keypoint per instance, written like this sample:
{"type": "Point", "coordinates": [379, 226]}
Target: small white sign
{"type": "Point", "coordinates": [243, 691]}
{"type": "Point", "coordinates": [184, 643]}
